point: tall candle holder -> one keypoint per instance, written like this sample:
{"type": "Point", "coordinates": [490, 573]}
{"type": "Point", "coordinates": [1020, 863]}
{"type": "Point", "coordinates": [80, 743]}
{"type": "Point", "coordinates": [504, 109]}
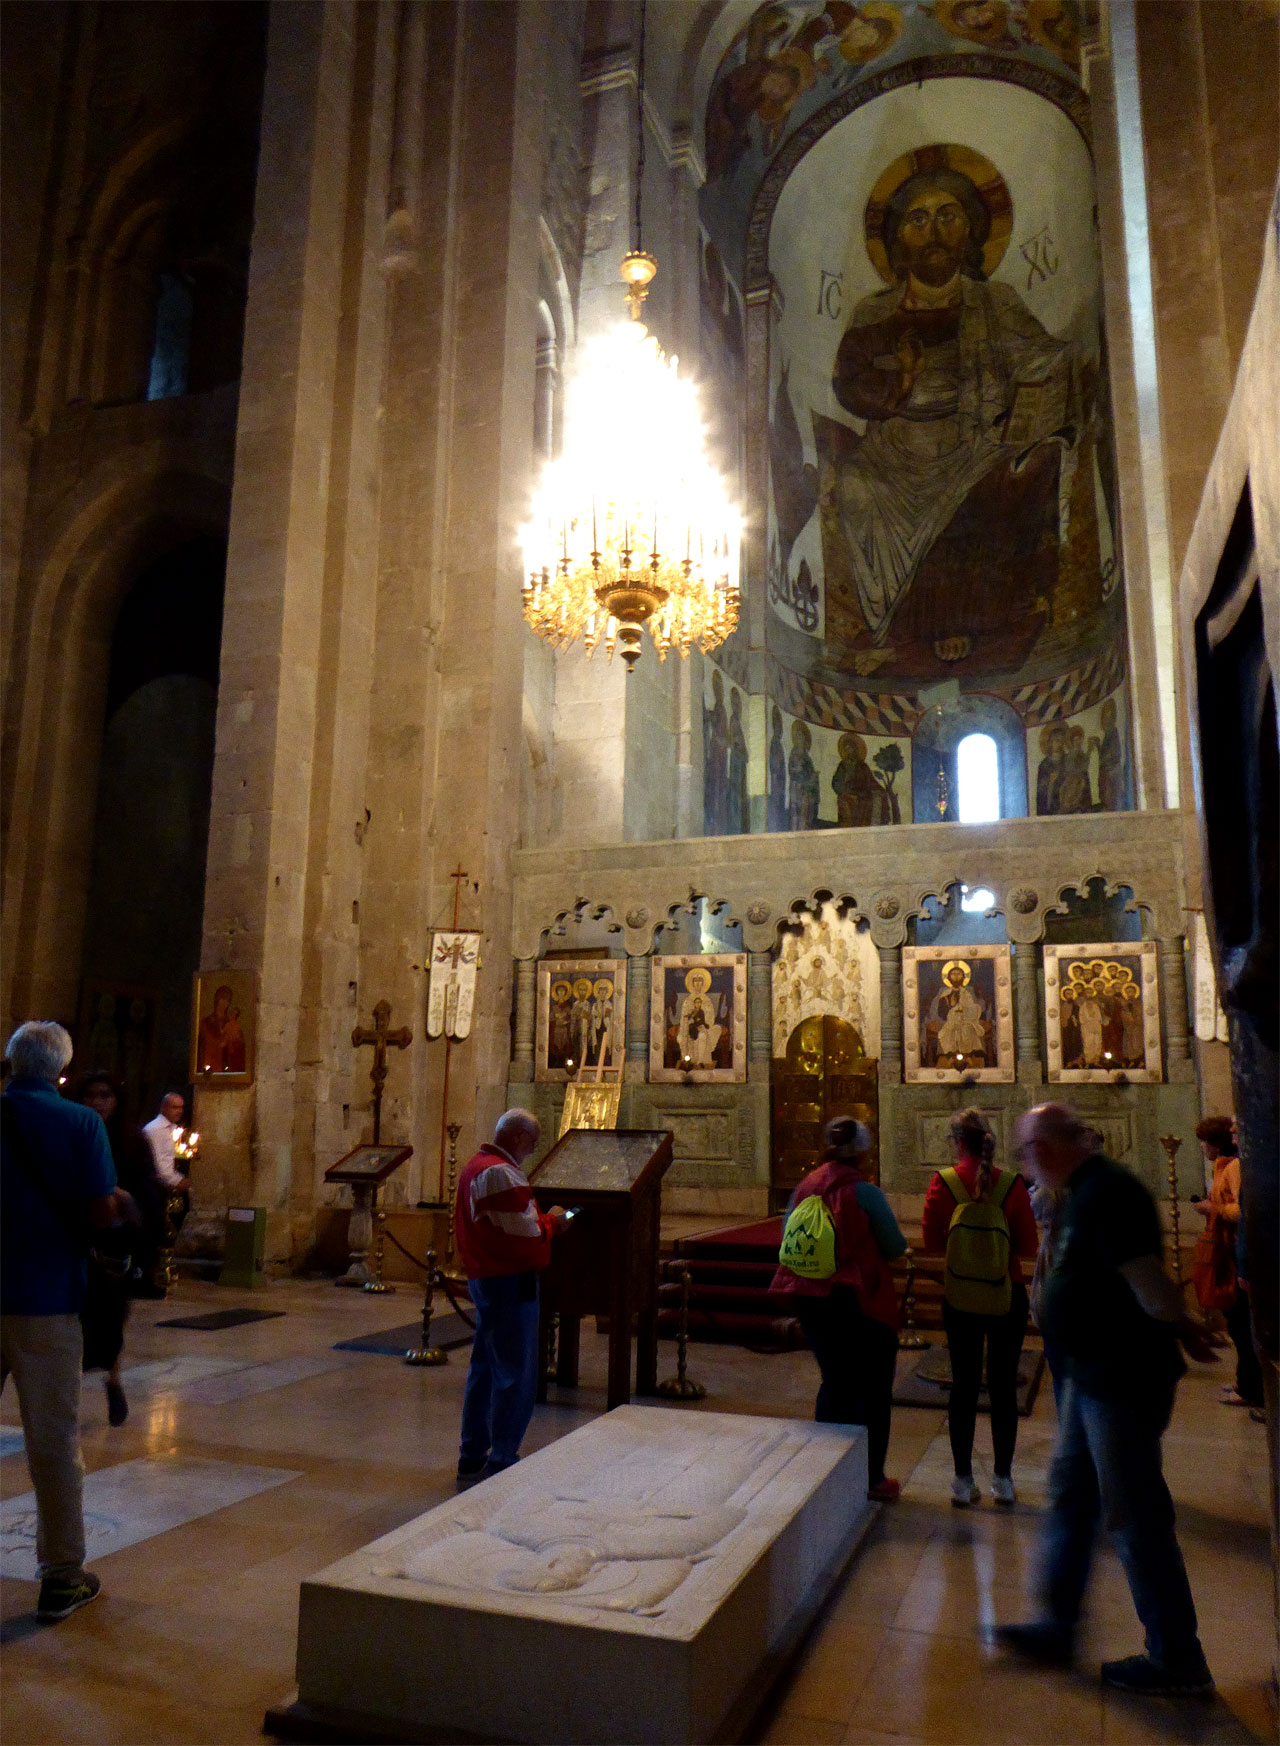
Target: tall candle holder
{"type": "Point", "coordinates": [1172, 1145]}
{"type": "Point", "coordinates": [910, 1339]}
{"type": "Point", "coordinates": [453, 1130]}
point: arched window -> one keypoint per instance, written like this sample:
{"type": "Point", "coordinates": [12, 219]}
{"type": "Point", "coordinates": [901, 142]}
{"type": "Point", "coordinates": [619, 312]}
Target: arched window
{"type": "Point", "coordinates": [171, 350]}
{"type": "Point", "coordinates": [978, 779]}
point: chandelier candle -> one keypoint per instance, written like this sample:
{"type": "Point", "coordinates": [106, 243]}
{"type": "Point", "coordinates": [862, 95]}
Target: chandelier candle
{"type": "Point", "coordinates": [632, 528]}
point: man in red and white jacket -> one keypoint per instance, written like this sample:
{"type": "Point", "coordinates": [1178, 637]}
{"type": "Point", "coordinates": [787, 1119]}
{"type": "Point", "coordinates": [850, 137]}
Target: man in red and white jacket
{"type": "Point", "coordinates": [503, 1243]}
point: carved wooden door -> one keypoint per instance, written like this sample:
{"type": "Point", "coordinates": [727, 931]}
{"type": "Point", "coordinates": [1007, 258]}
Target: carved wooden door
{"type": "Point", "coordinates": [825, 1073]}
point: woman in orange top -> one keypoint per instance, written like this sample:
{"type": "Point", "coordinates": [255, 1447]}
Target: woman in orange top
{"type": "Point", "coordinates": [1221, 1207]}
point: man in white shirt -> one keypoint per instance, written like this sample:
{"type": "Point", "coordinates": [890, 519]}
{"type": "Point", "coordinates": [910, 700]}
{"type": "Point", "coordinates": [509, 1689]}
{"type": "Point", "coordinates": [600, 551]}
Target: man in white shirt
{"type": "Point", "coordinates": [160, 1134]}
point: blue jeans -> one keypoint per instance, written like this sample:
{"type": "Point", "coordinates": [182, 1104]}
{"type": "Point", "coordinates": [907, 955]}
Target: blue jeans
{"type": "Point", "coordinates": [1107, 1472]}
{"type": "Point", "coordinates": [502, 1382]}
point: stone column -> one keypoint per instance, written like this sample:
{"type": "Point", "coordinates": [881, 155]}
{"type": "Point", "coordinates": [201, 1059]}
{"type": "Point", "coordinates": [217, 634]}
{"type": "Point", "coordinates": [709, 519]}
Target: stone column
{"type": "Point", "coordinates": [1026, 991]}
{"type": "Point", "coordinates": [546, 370]}
{"type": "Point", "coordinates": [890, 1014]}
{"type": "Point", "coordinates": [1179, 1066]}
{"type": "Point", "coordinates": [526, 1018]}
{"type": "Point", "coordinates": [638, 973]}
{"type": "Point", "coordinates": [759, 1016]}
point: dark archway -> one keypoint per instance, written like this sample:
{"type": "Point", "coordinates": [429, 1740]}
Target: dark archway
{"type": "Point", "coordinates": [151, 831]}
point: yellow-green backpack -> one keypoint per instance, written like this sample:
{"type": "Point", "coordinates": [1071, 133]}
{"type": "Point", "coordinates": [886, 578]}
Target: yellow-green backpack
{"type": "Point", "coordinates": [809, 1240]}
{"type": "Point", "coordinates": [977, 1272]}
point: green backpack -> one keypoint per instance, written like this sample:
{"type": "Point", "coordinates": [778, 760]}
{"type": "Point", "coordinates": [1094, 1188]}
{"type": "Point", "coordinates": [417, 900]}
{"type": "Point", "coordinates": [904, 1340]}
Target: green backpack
{"type": "Point", "coordinates": [977, 1272]}
{"type": "Point", "coordinates": [809, 1240]}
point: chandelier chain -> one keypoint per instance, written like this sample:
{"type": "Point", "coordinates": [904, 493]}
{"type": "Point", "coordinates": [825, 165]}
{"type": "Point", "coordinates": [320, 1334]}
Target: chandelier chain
{"type": "Point", "coordinates": [644, 4]}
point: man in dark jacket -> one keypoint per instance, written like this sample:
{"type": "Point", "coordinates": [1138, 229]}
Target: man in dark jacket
{"type": "Point", "coordinates": [56, 1181]}
{"type": "Point", "coordinates": [1116, 1318]}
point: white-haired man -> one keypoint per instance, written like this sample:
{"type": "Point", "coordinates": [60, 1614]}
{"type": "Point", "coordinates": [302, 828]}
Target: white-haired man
{"type": "Point", "coordinates": [57, 1180]}
{"type": "Point", "coordinates": [503, 1243]}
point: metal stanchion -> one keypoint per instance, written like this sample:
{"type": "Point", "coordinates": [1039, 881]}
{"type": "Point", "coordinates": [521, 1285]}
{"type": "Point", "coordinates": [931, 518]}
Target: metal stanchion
{"type": "Point", "coordinates": [679, 1387]}
{"type": "Point", "coordinates": [377, 1283]}
{"type": "Point", "coordinates": [910, 1339]}
{"type": "Point", "coordinates": [549, 1357]}
{"type": "Point", "coordinates": [427, 1353]}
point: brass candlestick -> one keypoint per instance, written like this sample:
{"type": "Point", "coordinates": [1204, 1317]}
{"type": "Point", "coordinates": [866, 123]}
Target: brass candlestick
{"type": "Point", "coordinates": [679, 1387]}
{"type": "Point", "coordinates": [427, 1353]}
{"type": "Point", "coordinates": [1172, 1144]}
{"type": "Point", "coordinates": [377, 1283]}
{"type": "Point", "coordinates": [550, 1356]}
{"type": "Point", "coordinates": [910, 1339]}
{"type": "Point", "coordinates": [453, 1130]}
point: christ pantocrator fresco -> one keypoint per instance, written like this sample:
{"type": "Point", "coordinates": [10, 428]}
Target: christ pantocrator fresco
{"type": "Point", "coordinates": [946, 515]}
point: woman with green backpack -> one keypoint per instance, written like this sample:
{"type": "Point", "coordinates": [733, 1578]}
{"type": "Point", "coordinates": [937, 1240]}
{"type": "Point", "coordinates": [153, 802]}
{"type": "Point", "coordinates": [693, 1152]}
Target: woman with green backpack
{"type": "Point", "coordinates": [838, 1239]}
{"type": "Point", "coordinates": [980, 1218]}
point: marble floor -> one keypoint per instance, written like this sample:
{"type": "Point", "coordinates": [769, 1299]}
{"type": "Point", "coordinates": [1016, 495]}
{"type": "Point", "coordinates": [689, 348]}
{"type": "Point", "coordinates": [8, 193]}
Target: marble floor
{"type": "Point", "coordinates": [256, 1455]}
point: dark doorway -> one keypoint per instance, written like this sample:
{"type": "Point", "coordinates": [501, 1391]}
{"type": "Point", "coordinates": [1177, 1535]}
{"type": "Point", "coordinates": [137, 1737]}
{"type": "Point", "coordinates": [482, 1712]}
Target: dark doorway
{"type": "Point", "coordinates": [146, 894]}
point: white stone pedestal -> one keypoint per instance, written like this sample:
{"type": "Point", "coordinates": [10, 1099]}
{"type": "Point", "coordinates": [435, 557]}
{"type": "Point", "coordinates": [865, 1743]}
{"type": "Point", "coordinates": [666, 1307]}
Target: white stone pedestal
{"type": "Point", "coordinates": [643, 1579]}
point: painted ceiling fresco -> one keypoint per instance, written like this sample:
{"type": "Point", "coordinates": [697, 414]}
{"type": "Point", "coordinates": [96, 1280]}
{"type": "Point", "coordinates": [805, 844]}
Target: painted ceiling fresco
{"type": "Point", "coordinates": [935, 485]}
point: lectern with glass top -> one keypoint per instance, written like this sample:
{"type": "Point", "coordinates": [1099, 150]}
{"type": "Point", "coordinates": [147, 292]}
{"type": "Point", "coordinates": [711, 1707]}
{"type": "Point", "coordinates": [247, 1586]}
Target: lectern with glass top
{"type": "Point", "coordinates": [606, 1262]}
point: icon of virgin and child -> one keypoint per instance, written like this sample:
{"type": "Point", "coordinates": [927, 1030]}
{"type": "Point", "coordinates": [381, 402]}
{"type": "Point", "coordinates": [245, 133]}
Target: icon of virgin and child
{"type": "Point", "coordinates": [945, 512]}
{"type": "Point", "coordinates": [698, 1022]}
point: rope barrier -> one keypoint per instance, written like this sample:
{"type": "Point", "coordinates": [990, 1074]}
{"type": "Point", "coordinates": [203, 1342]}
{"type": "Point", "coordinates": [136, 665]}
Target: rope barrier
{"type": "Point", "coordinates": [440, 1280]}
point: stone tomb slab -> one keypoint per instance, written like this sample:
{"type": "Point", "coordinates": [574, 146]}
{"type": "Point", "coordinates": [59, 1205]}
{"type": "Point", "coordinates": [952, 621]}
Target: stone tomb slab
{"type": "Point", "coordinates": [642, 1579]}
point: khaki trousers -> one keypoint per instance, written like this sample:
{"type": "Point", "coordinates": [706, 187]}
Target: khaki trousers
{"type": "Point", "coordinates": [43, 1355]}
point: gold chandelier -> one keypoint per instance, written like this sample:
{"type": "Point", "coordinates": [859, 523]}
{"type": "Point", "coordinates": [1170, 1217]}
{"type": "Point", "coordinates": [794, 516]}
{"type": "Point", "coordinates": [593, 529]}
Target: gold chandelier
{"type": "Point", "coordinates": [631, 528]}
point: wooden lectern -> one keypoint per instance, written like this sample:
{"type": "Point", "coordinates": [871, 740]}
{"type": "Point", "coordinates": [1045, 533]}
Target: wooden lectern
{"type": "Point", "coordinates": [606, 1263]}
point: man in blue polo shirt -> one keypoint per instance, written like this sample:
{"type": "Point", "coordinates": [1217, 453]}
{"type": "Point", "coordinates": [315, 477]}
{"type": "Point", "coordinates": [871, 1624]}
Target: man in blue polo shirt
{"type": "Point", "coordinates": [56, 1181]}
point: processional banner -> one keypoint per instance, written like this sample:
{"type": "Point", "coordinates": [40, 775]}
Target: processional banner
{"type": "Point", "coordinates": [452, 989]}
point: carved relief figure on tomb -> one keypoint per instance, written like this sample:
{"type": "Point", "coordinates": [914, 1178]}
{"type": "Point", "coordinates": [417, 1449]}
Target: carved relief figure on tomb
{"type": "Point", "coordinates": [802, 776]}
{"type": "Point", "coordinates": [624, 1538]}
{"type": "Point", "coordinates": [739, 820]}
{"type": "Point", "coordinates": [715, 761]}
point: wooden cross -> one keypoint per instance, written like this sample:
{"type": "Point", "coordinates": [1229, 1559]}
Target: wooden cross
{"type": "Point", "coordinates": [382, 1039]}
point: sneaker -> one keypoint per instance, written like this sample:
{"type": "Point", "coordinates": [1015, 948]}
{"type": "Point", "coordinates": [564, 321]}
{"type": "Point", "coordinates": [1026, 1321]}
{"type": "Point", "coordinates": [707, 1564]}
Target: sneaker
{"type": "Point", "coordinates": [885, 1491]}
{"type": "Point", "coordinates": [1046, 1643]}
{"type": "Point", "coordinates": [60, 1598]}
{"type": "Point", "coordinates": [963, 1491]}
{"type": "Point", "coordinates": [117, 1405]}
{"type": "Point", "coordinates": [1002, 1491]}
{"type": "Point", "coordinates": [1140, 1673]}
{"type": "Point", "coordinates": [471, 1473]}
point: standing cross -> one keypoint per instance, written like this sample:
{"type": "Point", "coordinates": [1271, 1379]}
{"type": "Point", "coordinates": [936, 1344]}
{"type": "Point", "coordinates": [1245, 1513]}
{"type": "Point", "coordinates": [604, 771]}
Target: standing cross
{"type": "Point", "coordinates": [381, 1038]}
